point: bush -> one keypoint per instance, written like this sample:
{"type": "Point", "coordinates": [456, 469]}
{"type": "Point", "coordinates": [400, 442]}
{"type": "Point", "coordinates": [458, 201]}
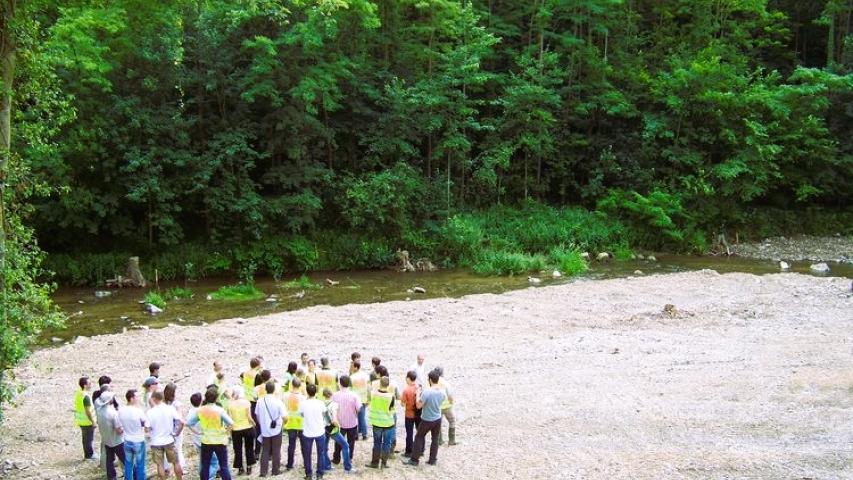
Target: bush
{"type": "Point", "coordinates": [569, 261]}
{"type": "Point", "coordinates": [239, 292]}
{"type": "Point", "coordinates": [177, 293]}
{"type": "Point", "coordinates": [302, 282]}
{"type": "Point", "coordinates": [154, 298]}
{"type": "Point", "coordinates": [492, 262]}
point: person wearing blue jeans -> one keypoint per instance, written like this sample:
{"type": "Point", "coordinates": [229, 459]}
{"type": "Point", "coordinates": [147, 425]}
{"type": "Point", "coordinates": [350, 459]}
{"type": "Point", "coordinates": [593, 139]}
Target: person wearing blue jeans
{"type": "Point", "coordinates": [134, 460]}
{"type": "Point", "coordinates": [382, 421]}
{"type": "Point", "coordinates": [313, 414]}
{"type": "Point", "coordinates": [214, 464]}
{"type": "Point", "coordinates": [362, 421]}
{"type": "Point", "coordinates": [334, 433]}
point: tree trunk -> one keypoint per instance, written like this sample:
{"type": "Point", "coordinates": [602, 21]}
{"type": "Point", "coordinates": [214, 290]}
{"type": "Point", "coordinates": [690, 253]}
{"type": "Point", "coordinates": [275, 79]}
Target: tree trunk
{"type": "Point", "coordinates": [448, 184]}
{"type": "Point", "coordinates": [7, 75]}
{"type": "Point", "coordinates": [525, 173]}
{"type": "Point", "coordinates": [830, 38]}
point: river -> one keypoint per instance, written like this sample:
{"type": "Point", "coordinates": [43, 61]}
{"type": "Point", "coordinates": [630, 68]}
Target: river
{"type": "Point", "coordinates": [89, 315]}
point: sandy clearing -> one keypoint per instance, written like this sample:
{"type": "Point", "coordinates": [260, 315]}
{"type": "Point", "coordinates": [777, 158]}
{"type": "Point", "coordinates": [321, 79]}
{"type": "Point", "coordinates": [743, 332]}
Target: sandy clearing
{"type": "Point", "coordinates": [751, 378]}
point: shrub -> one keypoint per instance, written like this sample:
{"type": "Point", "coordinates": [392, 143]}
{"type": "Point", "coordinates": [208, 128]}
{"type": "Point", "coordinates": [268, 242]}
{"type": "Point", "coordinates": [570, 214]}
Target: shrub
{"type": "Point", "coordinates": [177, 293]}
{"type": "Point", "coordinates": [239, 292]}
{"type": "Point", "coordinates": [497, 262]}
{"type": "Point", "coordinates": [569, 261]}
{"type": "Point", "coordinates": [154, 298]}
{"type": "Point", "coordinates": [302, 282]}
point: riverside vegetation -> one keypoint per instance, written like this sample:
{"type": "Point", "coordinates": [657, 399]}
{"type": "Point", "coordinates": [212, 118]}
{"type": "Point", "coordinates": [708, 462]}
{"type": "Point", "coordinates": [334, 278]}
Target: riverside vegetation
{"type": "Point", "coordinates": [275, 136]}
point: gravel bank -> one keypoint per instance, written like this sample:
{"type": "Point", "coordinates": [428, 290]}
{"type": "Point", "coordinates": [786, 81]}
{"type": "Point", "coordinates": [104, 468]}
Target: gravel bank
{"type": "Point", "coordinates": [822, 249]}
{"type": "Point", "coordinates": [748, 377]}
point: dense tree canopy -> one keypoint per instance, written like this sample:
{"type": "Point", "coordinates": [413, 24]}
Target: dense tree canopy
{"type": "Point", "coordinates": [229, 121]}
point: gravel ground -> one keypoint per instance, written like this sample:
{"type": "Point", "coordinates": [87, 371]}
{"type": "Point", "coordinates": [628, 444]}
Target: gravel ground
{"type": "Point", "coordinates": [748, 377]}
{"type": "Point", "coordinates": [805, 247]}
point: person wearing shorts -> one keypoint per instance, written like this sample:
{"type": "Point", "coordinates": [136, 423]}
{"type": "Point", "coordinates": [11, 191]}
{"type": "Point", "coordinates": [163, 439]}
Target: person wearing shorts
{"type": "Point", "coordinates": [165, 424]}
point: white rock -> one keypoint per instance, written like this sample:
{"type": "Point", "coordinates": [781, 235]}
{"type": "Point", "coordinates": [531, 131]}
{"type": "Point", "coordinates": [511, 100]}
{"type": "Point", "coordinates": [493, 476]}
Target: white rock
{"type": "Point", "coordinates": [103, 293]}
{"type": "Point", "coordinates": [640, 256]}
{"type": "Point", "coordinates": [270, 299]}
{"type": "Point", "coordinates": [783, 265]}
{"type": "Point", "coordinates": [153, 309]}
{"type": "Point", "coordinates": [819, 267]}
{"type": "Point", "coordinates": [55, 339]}
{"type": "Point", "coordinates": [419, 290]}
{"type": "Point", "coordinates": [209, 296]}
{"type": "Point", "coordinates": [651, 258]}
{"type": "Point", "coordinates": [556, 274]}
{"type": "Point", "coordinates": [603, 256]}
{"type": "Point", "coordinates": [585, 256]}
{"type": "Point", "coordinates": [534, 280]}
{"type": "Point", "coordinates": [638, 272]}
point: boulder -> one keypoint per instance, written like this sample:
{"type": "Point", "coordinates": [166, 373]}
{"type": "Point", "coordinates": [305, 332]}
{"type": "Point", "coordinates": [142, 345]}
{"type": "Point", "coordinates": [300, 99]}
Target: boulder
{"type": "Point", "coordinates": [419, 290]}
{"type": "Point", "coordinates": [534, 280]}
{"type": "Point", "coordinates": [651, 258]}
{"type": "Point", "coordinates": [153, 309]}
{"type": "Point", "coordinates": [819, 267]}
{"type": "Point", "coordinates": [783, 265]}
{"type": "Point", "coordinates": [638, 272]}
{"type": "Point", "coordinates": [556, 274]}
{"type": "Point", "coordinates": [585, 256]}
{"type": "Point", "coordinates": [603, 257]}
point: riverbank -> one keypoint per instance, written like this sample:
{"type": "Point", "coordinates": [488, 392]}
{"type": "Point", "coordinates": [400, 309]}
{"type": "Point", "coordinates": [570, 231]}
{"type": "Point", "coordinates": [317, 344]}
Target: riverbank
{"type": "Point", "coordinates": [798, 248]}
{"type": "Point", "coordinates": [747, 376]}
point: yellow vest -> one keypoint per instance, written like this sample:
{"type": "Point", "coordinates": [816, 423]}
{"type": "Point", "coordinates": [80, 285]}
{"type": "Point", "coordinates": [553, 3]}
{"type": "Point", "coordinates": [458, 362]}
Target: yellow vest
{"type": "Point", "coordinates": [239, 410]}
{"type": "Point", "coordinates": [326, 379]}
{"type": "Point", "coordinates": [213, 430]}
{"type": "Point", "coordinates": [291, 404]}
{"type": "Point", "coordinates": [80, 416]}
{"type": "Point", "coordinates": [380, 409]}
{"type": "Point", "coordinates": [443, 386]}
{"type": "Point", "coordinates": [249, 384]}
{"type": "Point", "coordinates": [361, 385]}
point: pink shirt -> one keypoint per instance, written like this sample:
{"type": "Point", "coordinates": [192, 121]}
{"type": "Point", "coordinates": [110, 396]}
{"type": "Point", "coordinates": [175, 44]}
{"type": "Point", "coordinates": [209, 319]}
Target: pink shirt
{"type": "Point", "coordinates": [348, 406]}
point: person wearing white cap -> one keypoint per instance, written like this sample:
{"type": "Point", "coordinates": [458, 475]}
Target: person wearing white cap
{"type": "Point", "coordinates": [149, 386]}
{"type": "Point", "coordinates": [111, 429]}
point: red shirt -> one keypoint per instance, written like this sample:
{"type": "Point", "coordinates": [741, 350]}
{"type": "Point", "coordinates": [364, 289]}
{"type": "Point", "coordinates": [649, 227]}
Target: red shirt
{"type": "Point", "coordinates": [409, 397]}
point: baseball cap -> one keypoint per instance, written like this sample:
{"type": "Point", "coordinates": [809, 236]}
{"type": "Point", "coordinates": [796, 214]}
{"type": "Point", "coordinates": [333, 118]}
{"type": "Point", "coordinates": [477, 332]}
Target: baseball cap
{"type": "Point", "coordinates": [150, 381]}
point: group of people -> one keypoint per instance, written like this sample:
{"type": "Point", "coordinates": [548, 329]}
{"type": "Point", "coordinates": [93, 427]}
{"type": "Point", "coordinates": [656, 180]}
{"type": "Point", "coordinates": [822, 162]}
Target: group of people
{"type": "Point", "coordinates": [308, 404]}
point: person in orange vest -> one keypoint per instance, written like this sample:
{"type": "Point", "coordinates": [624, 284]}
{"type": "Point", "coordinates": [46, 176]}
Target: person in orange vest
{"type": "Point", "coordinates": [215, 423]}
{"type": "Point", "coordinates": [84, 417]}
{"type": "Point", "coordinates": [293, 423]}
{"type": "Point", "coordinates": [242, 432]}
{"type": "Point", "coordinates": [361, 387]}
{"type": "Point", "coordinates": [327, 379]}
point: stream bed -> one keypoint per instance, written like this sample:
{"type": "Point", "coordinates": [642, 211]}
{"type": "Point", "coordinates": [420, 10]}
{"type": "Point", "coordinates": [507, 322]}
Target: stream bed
{"type": "Point", "coordinates": [89, 315]}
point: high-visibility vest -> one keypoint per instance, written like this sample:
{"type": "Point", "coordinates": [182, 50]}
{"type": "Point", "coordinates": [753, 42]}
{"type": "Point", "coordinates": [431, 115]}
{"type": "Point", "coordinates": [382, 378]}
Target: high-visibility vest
{"type": "Point", "coordinates": [326, 379]}
{"type": "Point", "coordinates": [249, 384]}
{"type": "Point", "coordinates": [311, 378]}
{"type": "Point", "coordinates": [80, 416]}
{"type": "Point", "coordinates": [443, 386]}
{"type": "Point", "coordinates": [239, 410]}
{"type": "Point", "coordinates": [335, 428]}
{"type": "Point", "coordinates": [291, 404]}
{"type": "Point", "coordinates": [300, 390]}
{"type": "Point", "coordinates": [361, 385]}
{"type": "Point", "coordinates": [380, 409]}
{"type": "Point", "coordinates": [213, 430]}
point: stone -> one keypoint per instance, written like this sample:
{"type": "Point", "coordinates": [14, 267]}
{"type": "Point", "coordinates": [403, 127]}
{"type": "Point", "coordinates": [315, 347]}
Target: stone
{"type": "Point", "coordinates": [651, 258]}
{"type": "Point", "coordinates": [640, 256]}
{"type": "Point", "coordinates": [585, 256]}
{"type": "Point", "coordinates": [102, 293]}
{"type": "Point", "coordinates": [209, 297]}
{"type": "Point", "coordinates": [331, 282]}
{"type": "Point", "coordinates": [271, 299]}
{"type": "Point", "coordinates": [638, 272]}
{"type": "Point", "coordinates": [153, 309]}
{"type": "Point", "coordinates": [603, 257]}
{"type": "Point", "coordinates": [819, 267]}
{"type": "Point", "coordinates": [556, 274]}
{"type": "Point", "coordinates": [55, 339]}
{"type": "Point", "coordinates": [419, 290]}
{"type": "Point", "coordinates": [124, 317]}
{"type": "Point", "coordinates": [534, 280]}
{"type": "Point", "coordinates": [80, 339]}
{"type": "Point", "coordinates": [783, 265]}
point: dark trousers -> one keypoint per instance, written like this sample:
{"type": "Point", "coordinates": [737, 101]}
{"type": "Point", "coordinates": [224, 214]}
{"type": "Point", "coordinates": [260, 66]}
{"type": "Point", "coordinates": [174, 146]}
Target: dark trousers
{"type": "Point", "coordinates": [292, 437]}
{"type": "Point", "coordinates": [244, 440]}
{"type": "Point", "coordinates": [257, 427]}
{"type": "Point", "coordinates": [88, 433]}
{"type": "Point", "coordinates": [351, 434]}
{"type": "Point", "coordinates": [221, 452]}
{"type": "Point", "coordinates": [307, 444]}
{"type": "Point", "coordinates": [271, 448]}
{"type": "Point", "coordinates": [411, 425]}
{"type": "Point", "coordinates": [110, 455]}
{"type": "Point", "coordinates": [434, 428]}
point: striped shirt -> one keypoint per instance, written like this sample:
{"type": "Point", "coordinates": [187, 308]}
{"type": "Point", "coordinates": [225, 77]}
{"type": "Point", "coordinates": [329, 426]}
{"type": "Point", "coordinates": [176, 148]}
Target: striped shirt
{"type": "Point", "coordinates": [348, 406]}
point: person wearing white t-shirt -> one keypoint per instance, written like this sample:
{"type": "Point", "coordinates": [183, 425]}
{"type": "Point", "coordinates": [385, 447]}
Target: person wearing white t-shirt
{"type": "Point", "coordinates": [420, 369]}
{"type": "Point", "coordinates": [270, 413]}
{"type": "Point", "coordinates": [134, 423]}
{"type": "Point", "coordinates": [313, 430]}
{"type": "Point", "coordinates": [165, 423]}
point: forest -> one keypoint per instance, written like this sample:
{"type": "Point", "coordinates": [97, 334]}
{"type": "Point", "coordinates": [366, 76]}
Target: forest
{"type": "Point", "coordinates": [272, 136]}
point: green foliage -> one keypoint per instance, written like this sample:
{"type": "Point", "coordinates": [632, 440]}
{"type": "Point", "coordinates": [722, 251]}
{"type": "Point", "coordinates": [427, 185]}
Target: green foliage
{"type": "Point", "coordinates": [303, 282]}
{"type": "Point", "coordinates": [237, 293]}
{"type": "Point", "coordinates": [568, 261]}
{"type": "Point", "coordinates": [177, 293]}
{"type": "Point", "coordinates": [155, 298]}
{"type": "Point", "coordinates": [499, 262]}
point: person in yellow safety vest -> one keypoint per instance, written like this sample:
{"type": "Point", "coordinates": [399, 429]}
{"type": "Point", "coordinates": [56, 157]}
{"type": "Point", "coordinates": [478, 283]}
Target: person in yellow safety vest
{"type": "Point", "coordinates": [248, 379]}
{"type": "Point", "coordinates": [261, 390]}
{"type": "Point", "coordinates": [84, 417]}
{"type": "Point", "coordinates": [361, 386]}
{"type": "Point", "coordinates": [298, 387]}
{"type": "Point", "coordinates": [215, 424]}
{"type": "Point", "coordinates": [327, 379]}
{"type": "Point", "coordinates": [446, 409]}
{"type": "Point", "coordinates": [242, 432]}
{"type": "Point", "coordinates": [293, 424]}
{"type": "Point", "coordinates": [381, 417]}
{"type": "Point", "coordinates": [382, 371]}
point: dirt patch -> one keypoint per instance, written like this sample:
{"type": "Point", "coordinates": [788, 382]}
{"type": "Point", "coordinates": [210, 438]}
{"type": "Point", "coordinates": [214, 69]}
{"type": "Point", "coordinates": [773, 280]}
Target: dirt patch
{"type": "Point", "coordinates": [804, 247]}
{"type": "Point", "coordinates": [748, 376]}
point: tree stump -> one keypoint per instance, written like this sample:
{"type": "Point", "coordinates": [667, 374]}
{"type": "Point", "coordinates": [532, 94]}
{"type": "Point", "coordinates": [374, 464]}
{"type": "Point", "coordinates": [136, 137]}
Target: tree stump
{"type": "Point", "coordinates": [134, 274]}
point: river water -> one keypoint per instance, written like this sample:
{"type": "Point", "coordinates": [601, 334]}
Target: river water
{"type": "Point", "coordinates": [89, 315]}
